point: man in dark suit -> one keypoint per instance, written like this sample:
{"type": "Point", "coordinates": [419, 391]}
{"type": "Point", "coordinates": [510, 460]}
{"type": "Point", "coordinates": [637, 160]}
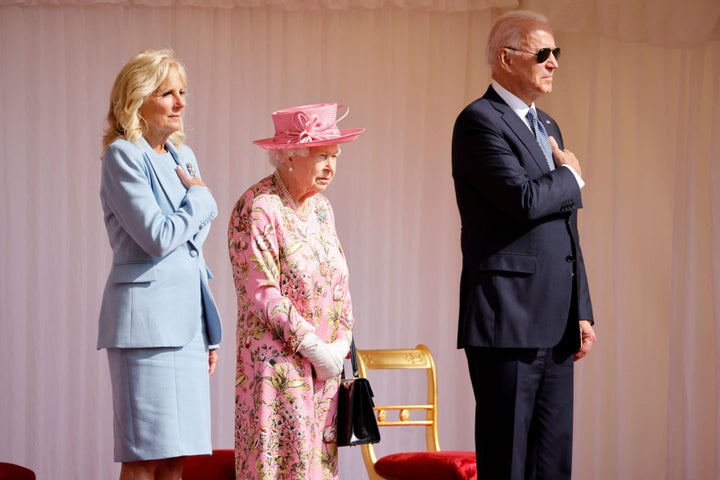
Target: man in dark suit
{"type": "Point", "coordinates": [525, 311]}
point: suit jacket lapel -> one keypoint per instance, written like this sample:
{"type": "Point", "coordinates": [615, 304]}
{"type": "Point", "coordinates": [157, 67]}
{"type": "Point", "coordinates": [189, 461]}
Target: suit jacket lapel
{"type": "Point", "coordinates": [519, 127]}
{"type": "Point", "coordinates": [167, 177]}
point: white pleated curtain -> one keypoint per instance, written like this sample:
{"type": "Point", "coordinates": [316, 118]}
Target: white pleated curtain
{"type": "Point", "coordinates": [636, 95]}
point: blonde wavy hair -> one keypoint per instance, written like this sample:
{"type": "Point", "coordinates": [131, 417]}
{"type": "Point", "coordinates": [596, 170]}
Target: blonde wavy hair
{"type": "Point", "coordinates": [137, 80]}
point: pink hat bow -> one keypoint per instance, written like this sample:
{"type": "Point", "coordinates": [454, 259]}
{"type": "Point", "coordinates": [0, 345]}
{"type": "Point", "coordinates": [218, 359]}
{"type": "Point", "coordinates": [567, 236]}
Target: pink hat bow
{"type": "Point", "coordinates": [308, 125]}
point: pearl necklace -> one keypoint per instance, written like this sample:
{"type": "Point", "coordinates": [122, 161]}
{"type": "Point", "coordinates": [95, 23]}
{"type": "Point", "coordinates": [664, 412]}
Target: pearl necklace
{"type": "Point", "coordinates": [302, 213]}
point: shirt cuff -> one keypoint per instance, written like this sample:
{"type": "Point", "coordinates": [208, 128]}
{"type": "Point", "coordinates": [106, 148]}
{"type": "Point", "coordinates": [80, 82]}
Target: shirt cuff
{"type": "Point", "coordinates": [578, 179]}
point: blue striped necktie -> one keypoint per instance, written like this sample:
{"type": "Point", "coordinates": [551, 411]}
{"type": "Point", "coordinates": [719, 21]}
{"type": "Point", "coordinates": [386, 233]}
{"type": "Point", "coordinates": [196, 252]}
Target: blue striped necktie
{"type": "Point", "coordinates": [541, 136]}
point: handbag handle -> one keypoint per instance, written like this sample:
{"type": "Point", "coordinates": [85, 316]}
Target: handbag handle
{"type": "Point", "coordinates": [353, 361]}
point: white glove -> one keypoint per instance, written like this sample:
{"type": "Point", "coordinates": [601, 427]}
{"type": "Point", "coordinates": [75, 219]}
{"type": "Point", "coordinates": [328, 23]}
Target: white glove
{"type": "Point", "coordinates": [340, 349]}
{"type": "Point", "coordinates": [322, 356]}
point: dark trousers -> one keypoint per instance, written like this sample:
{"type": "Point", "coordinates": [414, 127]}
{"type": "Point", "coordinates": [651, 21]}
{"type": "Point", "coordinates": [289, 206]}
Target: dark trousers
{"type": "Point", "coordinates": [523, 412]}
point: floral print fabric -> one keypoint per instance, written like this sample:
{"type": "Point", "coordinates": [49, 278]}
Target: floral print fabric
{"type": "Point", "coordinates": [291, 278]}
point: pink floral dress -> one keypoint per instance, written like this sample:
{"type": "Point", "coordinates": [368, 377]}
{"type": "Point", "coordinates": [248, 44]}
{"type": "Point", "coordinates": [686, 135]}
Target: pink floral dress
{"type": "Point", "coordinates": [291, 278]}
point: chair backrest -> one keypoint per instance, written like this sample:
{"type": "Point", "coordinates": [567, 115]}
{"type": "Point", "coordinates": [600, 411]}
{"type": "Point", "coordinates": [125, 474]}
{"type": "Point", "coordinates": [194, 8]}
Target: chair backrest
{"type": "Point", "coordinates": [401, 415]}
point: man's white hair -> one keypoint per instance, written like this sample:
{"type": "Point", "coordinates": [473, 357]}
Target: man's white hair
{"type": "Point", "coordinates": [509, 29]}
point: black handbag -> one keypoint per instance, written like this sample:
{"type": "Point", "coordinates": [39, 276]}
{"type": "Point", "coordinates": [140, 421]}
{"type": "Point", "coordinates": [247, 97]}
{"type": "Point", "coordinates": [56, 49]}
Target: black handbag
{"type": "Point", "coordinates": [357, 424]}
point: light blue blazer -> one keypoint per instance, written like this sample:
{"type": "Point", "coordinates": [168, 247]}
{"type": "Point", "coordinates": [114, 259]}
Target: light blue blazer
{"type": "Point", "coordinates": [157, 288]}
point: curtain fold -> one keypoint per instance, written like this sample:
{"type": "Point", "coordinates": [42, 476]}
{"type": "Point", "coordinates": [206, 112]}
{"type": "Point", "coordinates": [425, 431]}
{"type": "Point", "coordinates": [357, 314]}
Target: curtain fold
{"type": "Point", "coordinates": [667, 23]}
{"type": "Point", "coordinates": [636, 96]}
{"type": "Point", "coordinates": [292, 5]}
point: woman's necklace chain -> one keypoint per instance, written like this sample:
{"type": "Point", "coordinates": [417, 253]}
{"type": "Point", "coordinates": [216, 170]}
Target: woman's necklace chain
{"type": "Point", "coordinates": [302, 213]}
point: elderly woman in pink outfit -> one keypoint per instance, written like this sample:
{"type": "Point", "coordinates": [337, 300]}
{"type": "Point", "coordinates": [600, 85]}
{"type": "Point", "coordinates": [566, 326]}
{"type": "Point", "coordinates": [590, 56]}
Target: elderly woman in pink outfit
{"type": "Point", "coordinates": [295, 317]}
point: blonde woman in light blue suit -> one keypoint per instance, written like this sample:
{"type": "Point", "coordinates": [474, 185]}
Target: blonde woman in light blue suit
{"type": "Point", "coordinates": [158, 320]}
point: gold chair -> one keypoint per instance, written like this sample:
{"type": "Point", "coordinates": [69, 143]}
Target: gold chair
{"type": "Point", "coordinates": [432, 463]}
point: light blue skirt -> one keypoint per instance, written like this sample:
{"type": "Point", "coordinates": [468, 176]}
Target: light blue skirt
{"type": "Point", "coordinates": [161, 401]}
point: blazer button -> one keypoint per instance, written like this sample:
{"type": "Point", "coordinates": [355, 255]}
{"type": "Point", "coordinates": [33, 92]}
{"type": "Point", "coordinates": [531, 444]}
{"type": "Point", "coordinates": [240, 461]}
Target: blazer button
{"type": "Point", "coordinates": [193, 253]}
{"type": "Point", "coordinates": [570, 258]}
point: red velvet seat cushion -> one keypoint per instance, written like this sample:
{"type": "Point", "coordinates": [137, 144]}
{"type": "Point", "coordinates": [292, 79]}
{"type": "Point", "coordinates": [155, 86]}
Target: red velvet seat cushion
{"type": "Point", "coordinates": [10, 471]}
{"type": "Point", "coordinates": [445, 465]}
{"type": "Point", "coordinates": [218, 466]}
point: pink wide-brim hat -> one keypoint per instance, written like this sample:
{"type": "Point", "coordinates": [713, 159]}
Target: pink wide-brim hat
{"type": "Point", "coordinates": [308, 126]}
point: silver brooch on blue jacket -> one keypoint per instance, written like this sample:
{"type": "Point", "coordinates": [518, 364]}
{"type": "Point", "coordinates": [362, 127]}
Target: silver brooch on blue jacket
{"type": "Point", "coordinates": [191, 169]}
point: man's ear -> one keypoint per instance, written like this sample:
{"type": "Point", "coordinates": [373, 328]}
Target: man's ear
{"type": "Point", "coordinates": [504, 58]}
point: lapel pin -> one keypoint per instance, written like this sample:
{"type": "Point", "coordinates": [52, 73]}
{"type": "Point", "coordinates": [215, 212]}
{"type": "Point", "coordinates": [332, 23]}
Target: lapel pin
{"type": "Point", "coordinates": [191, 169]}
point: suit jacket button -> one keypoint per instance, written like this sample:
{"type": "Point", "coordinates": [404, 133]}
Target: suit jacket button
{"type": "Point", "coordinates": [193, 253]}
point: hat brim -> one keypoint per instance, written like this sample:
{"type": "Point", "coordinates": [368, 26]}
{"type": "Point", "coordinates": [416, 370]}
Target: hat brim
{"type": "Point", "coordinates": [345, 136]}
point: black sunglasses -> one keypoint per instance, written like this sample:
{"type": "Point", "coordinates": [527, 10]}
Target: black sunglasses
{"type": "Point", "coordinates": [542, 55]}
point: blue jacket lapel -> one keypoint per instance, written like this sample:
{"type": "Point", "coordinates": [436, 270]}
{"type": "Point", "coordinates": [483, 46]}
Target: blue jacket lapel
{"type": "Point", "coordinates": [167, 178]}
{"type": "Point", "coordinates": [520, 128]}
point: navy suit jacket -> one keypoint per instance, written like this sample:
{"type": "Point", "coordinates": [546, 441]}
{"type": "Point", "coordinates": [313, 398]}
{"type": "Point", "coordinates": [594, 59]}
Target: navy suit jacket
{"type": "Point", "coordinates": [157, 288]}
{"type": "Point", "coordinates": [523, 281]}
